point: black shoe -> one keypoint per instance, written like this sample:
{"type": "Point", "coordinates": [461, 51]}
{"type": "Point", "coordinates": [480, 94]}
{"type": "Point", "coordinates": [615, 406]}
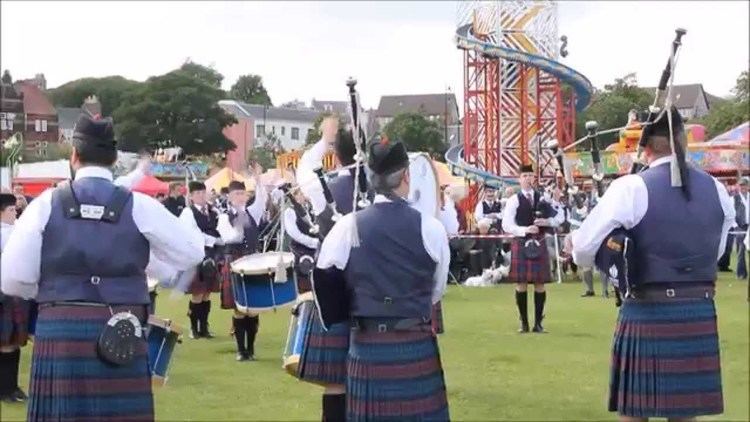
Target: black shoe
{"type": "Point", "coordinates": [524, 328]}
{"type": "Point", "coordinates": [725, 270]}
{"type": "Point", "coordinates": [588, 294]}
{"type": "Point", "coordinates": [538, 328]}
{"type": "Point", "coordinates": [20, 395]}
{"type": "Point", "coordinates": [240, 357]}
{"type": "Point", "coordinates": [11, 398]}
{"type": "Point", "coordinates": [250, 357]}
{"type": "Point", "coordinates": [195, 334]}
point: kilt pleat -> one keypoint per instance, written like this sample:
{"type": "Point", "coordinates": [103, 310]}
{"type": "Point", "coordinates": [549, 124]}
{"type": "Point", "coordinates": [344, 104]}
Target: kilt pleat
{"type": "Point", "coordinates": [14, 321]}
{"type": "Point", "coordinates": [665, 360]}
{"type": "Point", "coordinates": [226, 293]}
{"type": "Point", "coordinates": [324, 355]}
{"type": "Point", "coordinates": [524, 270]}
{"type": "Point", "coordinates": [70, 383]}
{"type": "Point", "coordinates": [395, 376]}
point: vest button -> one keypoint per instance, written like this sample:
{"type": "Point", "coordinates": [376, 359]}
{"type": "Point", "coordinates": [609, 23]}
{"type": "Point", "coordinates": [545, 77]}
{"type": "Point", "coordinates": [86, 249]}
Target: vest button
{"type": "Point", "coordinates": [387, 300]}
{"type": "Point", "coordinates": [95, 279]}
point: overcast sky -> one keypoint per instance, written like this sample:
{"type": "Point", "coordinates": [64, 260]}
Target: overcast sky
{"type": "Point", "coordinates": [305, 50]}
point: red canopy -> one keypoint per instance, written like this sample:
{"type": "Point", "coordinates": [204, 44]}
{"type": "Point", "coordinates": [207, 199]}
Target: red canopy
{"type": "Point", "coordinates": [150, 185]}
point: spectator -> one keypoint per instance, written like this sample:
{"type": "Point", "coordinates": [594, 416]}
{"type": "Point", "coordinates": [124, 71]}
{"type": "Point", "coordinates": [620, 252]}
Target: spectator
{"type": "Point", "coordinates": [725, 260]}
{"type": "Point", "coordinates": [175, 202]}
{"type": "Point", "coordinates": [742, 209]}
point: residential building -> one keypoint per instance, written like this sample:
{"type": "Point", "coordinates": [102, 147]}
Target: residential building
{"type": "Point", "coordinates": [336, 107]}
{"type": "Point", "coordinates": [68, 116]}
{"type": "Point", "coordinates": [440, 107]}
{"type": "Point", "coordinates": [289, 125]}
{"type": "Point", "coordinates": [11, 111]}
{"type": "Point", "coordinates": [691, 100]}
{"type": "Point", "coordinates": [40, 118]}
{"type": "Point", "coordinates": [241, 133]}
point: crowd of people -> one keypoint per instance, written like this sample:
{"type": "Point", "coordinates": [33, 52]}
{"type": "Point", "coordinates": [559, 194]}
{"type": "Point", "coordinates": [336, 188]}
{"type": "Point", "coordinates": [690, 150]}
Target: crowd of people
{"type": "Point", "coordinates": [377, 268]}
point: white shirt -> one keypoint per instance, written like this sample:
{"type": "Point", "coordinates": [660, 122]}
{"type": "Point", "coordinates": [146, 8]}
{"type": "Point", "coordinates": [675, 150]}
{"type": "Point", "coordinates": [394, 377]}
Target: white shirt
{"type": "Point", "coordinates": [230, 235]}
{"type": "Point", "coordinates": [337, 246]}
{"type": "Point", "coordinates": [5, 231]}
{"type": "Point", "coordinates": [479, 211]}
{"type": "Point", "coordinates": [744, 200]}
{"type": "Point", "coordinates": [449, 217]}
{"type": "Point", "coordinates": [172, 246]}
{"type": "Point", "coordinates": [290, 226]}
{"type": "Point", "coordinates": [307, 179]}
{"type": "Point", "coordinates": [509, 215]}
{"type": "Point", "coordinates": [624, 204]}
{"type": "Point", "coordinates": [188, 219]}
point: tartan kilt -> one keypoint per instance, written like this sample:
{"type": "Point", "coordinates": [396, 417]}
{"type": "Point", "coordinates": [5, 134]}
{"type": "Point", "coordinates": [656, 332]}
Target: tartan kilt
{"type": "Point", "coordinates": [395, 376]}
{"type": "Point", "coordinates": [70, 383]}
{"type": "Point", "coordinates": [665, 360]}
{"type": "Point", "coordinates": [324, 357]}
{"type": "Point", "coordinates": [14, 321]}
{"type": "Point", "coordinates": [200, 287]}
{"type": "Point", "coordinates": [524, 270]}
{"type": "Point", "coordinates": [227, 296]}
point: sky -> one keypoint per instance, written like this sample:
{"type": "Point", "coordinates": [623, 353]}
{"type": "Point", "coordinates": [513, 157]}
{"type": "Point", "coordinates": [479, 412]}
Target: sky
{"type": "Point", "coordinates": [306, 50]}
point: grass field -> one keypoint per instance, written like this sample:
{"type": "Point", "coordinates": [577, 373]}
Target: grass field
{"type": "Point", "coordinates": [492, 373]}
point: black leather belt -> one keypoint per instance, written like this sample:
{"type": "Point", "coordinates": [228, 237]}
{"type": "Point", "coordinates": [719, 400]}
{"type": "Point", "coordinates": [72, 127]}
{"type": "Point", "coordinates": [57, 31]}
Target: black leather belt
{"type": "Point", "coordinates": [661, 293]}
{"type": "Point", "coordinates": [71, 303]}
{"type": "Point", "coordinates": [385, 325]}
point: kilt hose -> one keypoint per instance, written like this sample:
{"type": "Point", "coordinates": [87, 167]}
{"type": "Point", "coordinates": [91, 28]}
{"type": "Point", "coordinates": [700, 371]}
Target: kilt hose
{"type": "Point", "coordinates": [524, 270]}
{"type": "Point", "coordinates": [70, 383]}
{"type": "Point", "coordinates": [395, 376]}
{"type": "Point", "coordinates": [665, 359]}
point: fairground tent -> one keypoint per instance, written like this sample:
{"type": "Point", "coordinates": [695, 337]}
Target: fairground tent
{"type": "Point", "coordinates": [222, 178]}
{"type": "Point", "coordinates": [738, 136]}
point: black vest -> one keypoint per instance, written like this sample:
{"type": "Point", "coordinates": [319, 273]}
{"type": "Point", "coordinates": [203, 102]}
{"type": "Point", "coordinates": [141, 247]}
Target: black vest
{"type": "Point", "coordinates": [527, 212]}
{"type": "Point", "coordinates": [491, 209]}
{"type": "Point", "coordinates": [207, 223]}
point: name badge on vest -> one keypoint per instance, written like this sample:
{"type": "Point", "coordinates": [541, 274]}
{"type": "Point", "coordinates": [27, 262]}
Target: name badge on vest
{"type": "Point", "coordinates": [92, 212]}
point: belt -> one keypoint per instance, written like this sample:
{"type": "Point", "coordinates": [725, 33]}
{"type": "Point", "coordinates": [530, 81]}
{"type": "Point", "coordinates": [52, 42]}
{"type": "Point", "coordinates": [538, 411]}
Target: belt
{"type": "Point", "coordinates": [86, 304]}
{"type": "Point", "coordinates": [659, 293]}
{"type": "Point", "coordinates": [385, 325]}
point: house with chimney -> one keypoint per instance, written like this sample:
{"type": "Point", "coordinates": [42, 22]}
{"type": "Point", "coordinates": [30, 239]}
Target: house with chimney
{"type": "Point", "coordinates": [25, 109]}
{"type": "Point", "coordinates": [68, 116]}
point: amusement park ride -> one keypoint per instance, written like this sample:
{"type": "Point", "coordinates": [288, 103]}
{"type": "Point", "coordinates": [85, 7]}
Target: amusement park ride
{"type": "Point", "coordinates": [519, 99]}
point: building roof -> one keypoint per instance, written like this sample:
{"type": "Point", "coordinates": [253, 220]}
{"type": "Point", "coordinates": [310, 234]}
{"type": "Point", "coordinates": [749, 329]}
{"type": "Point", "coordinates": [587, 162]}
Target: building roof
{"type": "Point", "coordinates": [338, 107]}
{"type": "Point", "coordinates": [67, 117]}
{"type": "Point", "coordinates": [686, 95]}
{"type": "Point", "coordinates": [429, 104]}
{"type": "Point", "coordinates": [34, 100]}
{"type": "Point", "coordinates": [259, 112]}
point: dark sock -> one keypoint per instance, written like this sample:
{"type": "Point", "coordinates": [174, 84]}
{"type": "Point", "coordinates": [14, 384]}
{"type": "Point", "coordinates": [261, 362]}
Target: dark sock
{"type": "Point", "coordinates": [205, 309]}
{"type": "Point", "coordinates": [252, 330]}
{"type": "Point", "coordinates": [193, 312]}
{"type": "Point", "coordinates": [239, 334]}
{"type": "Point", "coordinates": [539, 299]}
{"type": "Point", "coordinates": [522, 303]}
{"type": "Point", "coordinates": [7, 384]}
{"type": "Point", "coordinates": [15, 361]}
{"type": "Point", "coordinates": [334, 407]}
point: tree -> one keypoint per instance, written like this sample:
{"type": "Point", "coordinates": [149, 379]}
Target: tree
{"type": "Point", "coordinates": [7, 79]}
{"type": "Point", "coordinates": [205, 73]}
{"type": "Point", "coordinates": [110, 91]}
{"type": "Point", "coordinates": [265, 151]}
{"type": "Point", "coordinates": [418, 133]}
{"type": "Point", "coordinates": [728, 114]}
{"type": "Point", "coordinates": [610, 107]}
{"type": "Point", "coordinates": [179, 108]}
{"type": "Point", "coordinates": [250, 89]}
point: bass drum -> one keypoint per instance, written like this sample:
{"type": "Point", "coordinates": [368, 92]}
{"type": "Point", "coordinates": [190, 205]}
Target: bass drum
{"type": "Point", "coordinates": [424, 189]}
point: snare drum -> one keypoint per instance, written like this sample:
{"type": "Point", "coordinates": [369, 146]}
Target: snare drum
{"type": "Point", "coordinates": [163, 335]}
{"type": "Point", "coordinates": [299, 330]}
{"type": "Point", "coordinates": [256, 286]}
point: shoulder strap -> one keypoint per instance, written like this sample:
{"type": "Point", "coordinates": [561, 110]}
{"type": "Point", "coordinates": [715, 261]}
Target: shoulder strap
{"type": "Point", "coordinates": [71, 207]}
{"type": "Point", "coordinates": [117, 202]}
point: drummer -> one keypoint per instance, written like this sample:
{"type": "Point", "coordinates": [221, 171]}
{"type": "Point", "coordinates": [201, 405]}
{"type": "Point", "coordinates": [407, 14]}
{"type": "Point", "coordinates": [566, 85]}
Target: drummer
{"type": "Point", "coordinates": [238, 228]}
{"type": "Point", "coordinates": [393, 277]}
{"type": "Point", "coordinates": [327, 349]}
{"type": "Point", "coordinates": [201, 217]}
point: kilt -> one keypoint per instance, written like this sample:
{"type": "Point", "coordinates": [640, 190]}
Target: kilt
{"type": "Point", "coordinates": [395, 376]}
{"type": "Point", "coordinates": [303, 283]}
{"type": "Point", "coordinates": [324, 356]}
{"type": "Point", "coordinates": [227, 296]}
{"type": "Point", "coordinates": [201, 287]}
{"type": "Point", "coordinates": [665, 360]}
{"type": "Point", "coordinates": [524, 270]}
{"type": "Point", "coordinates": [70, 383]}
{"type": "Point", "coordinates": [14, 321]}
{"type": "Point", "coordinates": [437, 318]}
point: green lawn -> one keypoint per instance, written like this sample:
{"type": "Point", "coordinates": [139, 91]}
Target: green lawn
{"type": "Point", "coordinates": [492, 373]}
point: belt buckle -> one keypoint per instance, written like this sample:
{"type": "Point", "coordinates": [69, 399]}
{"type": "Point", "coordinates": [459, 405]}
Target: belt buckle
{"type": "Point", "coordinates": [95, 279]}
{"type": "Point", "coordinates": [382, 328]}
{"type": "Point", "coordinates": [670, 293]}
